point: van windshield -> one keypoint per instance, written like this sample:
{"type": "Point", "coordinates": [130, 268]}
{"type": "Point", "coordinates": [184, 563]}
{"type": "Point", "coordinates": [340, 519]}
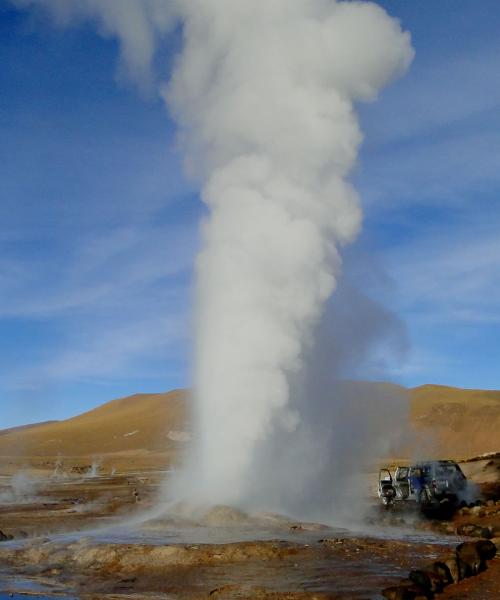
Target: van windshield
{"type": "Point", "coordinates": [448, 471]}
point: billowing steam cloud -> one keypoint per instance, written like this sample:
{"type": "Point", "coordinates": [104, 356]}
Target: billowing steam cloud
{"type": "Point", "coordinates": [263, 92]}
{"type": "Point", "coordinates": [264, 95]}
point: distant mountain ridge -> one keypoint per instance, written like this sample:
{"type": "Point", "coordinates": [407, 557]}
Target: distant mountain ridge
{"type": "Point", "coordinates": [448, 421]}
{"type": "Point", "coordinates": [27, 426]}
{"type": "Point", "coordinates": [130, 426]}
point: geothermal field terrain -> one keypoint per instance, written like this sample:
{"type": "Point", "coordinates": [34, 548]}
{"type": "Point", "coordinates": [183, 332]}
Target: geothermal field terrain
{"type": "Point", "coordinates": [81, 513]}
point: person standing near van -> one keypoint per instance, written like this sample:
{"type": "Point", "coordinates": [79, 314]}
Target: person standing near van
{"type": "Point", "coordinates": [417, 483]}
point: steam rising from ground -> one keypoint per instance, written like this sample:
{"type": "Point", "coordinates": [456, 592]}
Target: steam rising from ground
{"type": "Point", "coordinates": [264, 93]}
{"type": "Point", "coordinates": [23, 487]}
{"type": "Point", "coordinates": [264, 96]}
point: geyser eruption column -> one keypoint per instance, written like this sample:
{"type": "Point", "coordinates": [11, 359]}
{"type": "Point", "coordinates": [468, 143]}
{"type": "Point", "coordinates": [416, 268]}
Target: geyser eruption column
{"type": "Point", "coordinates": [263, 92]}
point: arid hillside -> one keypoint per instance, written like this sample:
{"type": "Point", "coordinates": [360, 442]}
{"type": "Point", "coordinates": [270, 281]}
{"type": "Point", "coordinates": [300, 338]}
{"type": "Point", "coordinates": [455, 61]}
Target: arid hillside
{"type": "Point", "coordinates": [153, 428]}
{"type": "Point", "coordinates": [455, 422]}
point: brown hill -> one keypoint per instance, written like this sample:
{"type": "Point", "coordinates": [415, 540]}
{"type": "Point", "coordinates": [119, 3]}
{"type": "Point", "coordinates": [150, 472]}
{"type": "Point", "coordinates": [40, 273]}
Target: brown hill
{"type": "Point", "coordinates": [27, 426]}
{"type": "Point", "coordinates": [456, 422]}
{"type": "Point", "coordinates": [449, 422]}
{"type": "Point", "coordinates": [142, 424]}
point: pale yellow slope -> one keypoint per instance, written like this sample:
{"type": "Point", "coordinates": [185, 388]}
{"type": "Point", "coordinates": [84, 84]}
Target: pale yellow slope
{"type": "Point", "coordinates": [451, 422]}
{"type": "Point", "coordinates": [132, 424]}
{"type": "Point", "coordinates": [456, 422]}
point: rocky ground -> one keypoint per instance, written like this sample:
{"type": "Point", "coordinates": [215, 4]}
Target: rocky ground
{"type": "Point", "coordinates": [60, 536]}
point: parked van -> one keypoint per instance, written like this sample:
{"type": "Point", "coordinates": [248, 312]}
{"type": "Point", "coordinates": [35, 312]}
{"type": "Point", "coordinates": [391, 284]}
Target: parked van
{"type": "Point", "coordinates": [428, 483]}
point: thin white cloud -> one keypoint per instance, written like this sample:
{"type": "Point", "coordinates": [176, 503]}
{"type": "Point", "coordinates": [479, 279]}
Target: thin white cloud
{"type": "Point", "coordinates": [116, 305]}
{"type": "Point", "coordinates": [449, 279]}
{"type": "Point", "coordinates": [438, 93]}
{"type": "Point", "coordinates": [420, 363]}
{"type": "Point", "coordinates": [112, 352]}
{"type": "Point", "coordinates": [448, 172]}
{"type": "Point", "coordinates": [102, 272]}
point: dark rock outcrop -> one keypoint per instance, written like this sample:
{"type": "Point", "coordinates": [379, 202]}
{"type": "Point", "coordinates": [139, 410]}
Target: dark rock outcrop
{"type": "Point", "coordinates": [486, 549]}
{"type": "Point", "coordinates": [468, 560]}
{"type": "Point", "coordinates": [450, 565]}
{"type": "Point", "coordinates": [406, 590]}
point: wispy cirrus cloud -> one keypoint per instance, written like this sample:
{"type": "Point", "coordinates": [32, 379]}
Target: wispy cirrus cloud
{"type": "Point", "coordinates": [434, 140]}
{"type": "Point", "coordinates": [119, 349]}
{"type": "Point", "coordinates": [117, 305]}
{"type": "Point", "coordinates": [440, 91]}
{"type": "Point", "coordinates": [430, 183]}
{"type": "Point", "coordinates": [452, 278]}
{"type": "Point", "coordinates": [101, 272]}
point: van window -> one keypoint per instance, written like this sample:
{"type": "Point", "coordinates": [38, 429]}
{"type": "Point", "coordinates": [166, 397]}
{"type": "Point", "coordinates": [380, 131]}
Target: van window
{"type": "Point", "coordinates": [403, 473]}
{"type": "Point", "coordinates": [446, 470]}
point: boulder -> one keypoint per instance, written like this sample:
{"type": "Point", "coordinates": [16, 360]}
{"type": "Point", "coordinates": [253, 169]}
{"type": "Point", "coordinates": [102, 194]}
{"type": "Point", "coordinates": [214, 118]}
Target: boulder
{"type": "Point", "coordinates": [446, 570]}
{"type": "Point", "coordinates": [453, 566]}
{"type": "Point", "coordinates": [5, 537]}
{"type": "Point", "coordinates": [470, 530]}
{"type": "Point", "coordinates": [477, 511]}
{"type": "Point", "coordinates": [487, 532]}
{"type": "Point", "coordinates": [427, 580]}
{"type": "Point", "coordinates": [469, 560]}
{"type": "Point", "coordinates": [486, 549]}
{"type": "Point", "coordinates": [406, 590]}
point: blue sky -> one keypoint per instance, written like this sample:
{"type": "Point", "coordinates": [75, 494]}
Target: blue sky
{"type": "Point", "coordinates": [99, 227]}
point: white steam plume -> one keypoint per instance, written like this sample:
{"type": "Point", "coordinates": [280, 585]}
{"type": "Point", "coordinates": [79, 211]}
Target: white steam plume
{"type": "Point", "coordinates": [264, 93]}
